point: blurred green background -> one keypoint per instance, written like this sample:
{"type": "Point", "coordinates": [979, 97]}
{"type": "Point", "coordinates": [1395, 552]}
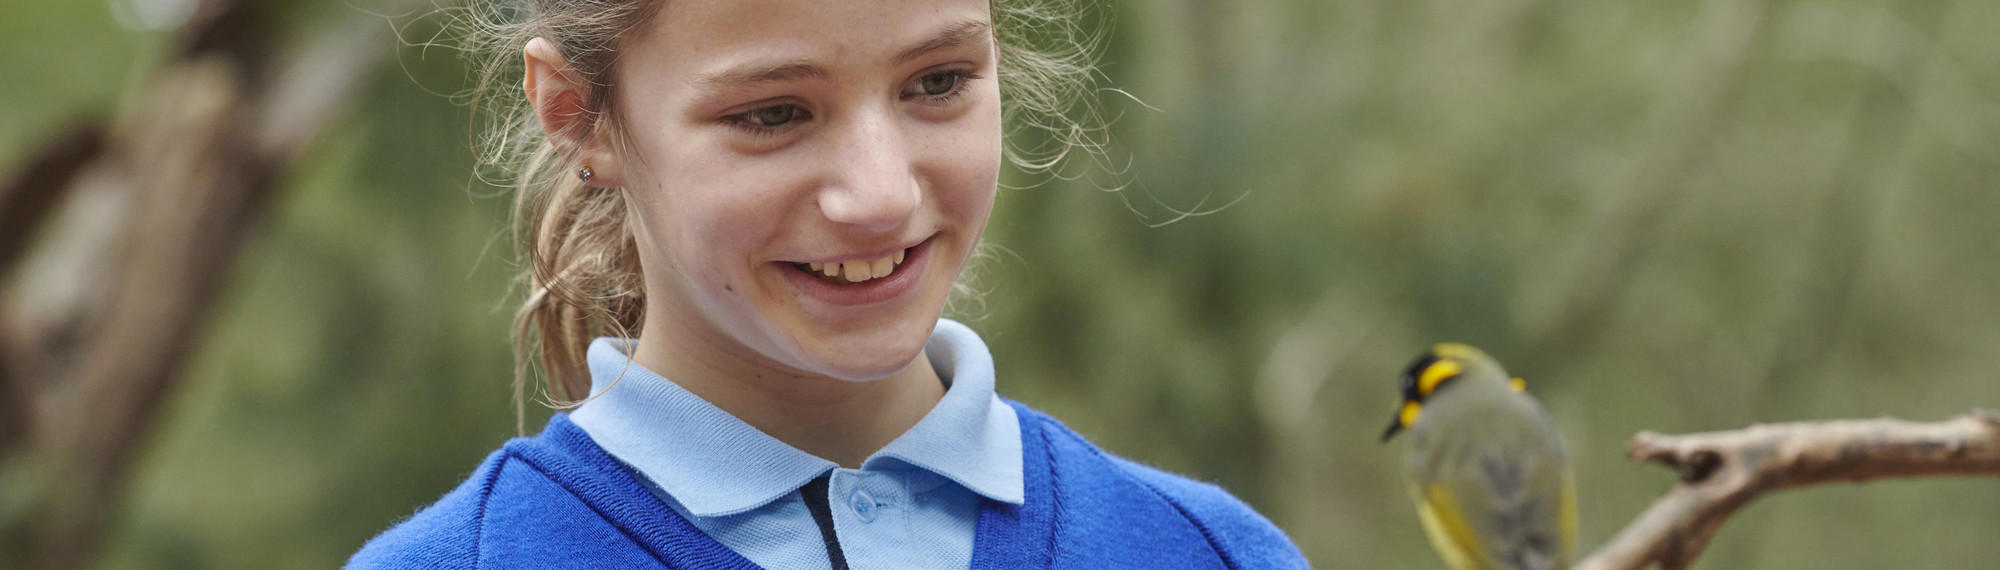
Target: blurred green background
{"type": "Point", "coordinates": [1669, 216]}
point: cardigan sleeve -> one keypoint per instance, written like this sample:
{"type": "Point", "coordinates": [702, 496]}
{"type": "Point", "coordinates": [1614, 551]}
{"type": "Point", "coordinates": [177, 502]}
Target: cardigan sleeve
{"type": "Point", "coordinates": [442, 535]}
{"type": "Point", "coordinates": [1244, 538]}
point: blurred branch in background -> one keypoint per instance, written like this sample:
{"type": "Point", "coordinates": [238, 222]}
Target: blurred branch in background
{"type": "Point", "coordinates": [1863, 182]}
{"type": "Point", "coordinates": [139, 225]}
{"type": "Point", "coordinates": [1629, 229]}
{"type": "Point", "coordinates": [25, 201]}
{"type": "Point", "coordinates": [1723, 471]}
{"type": "Point", "coordinates": [1668, 216]}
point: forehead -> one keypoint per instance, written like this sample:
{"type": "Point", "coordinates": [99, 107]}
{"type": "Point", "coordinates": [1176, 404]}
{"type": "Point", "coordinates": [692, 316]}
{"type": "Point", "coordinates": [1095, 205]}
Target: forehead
{"type": "Point", "coordinates": [690, 38]}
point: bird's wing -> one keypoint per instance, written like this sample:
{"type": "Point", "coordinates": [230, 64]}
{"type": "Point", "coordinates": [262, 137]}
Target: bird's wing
{"type": "Point", "coordinates": [1445, 523]}
{"type": "Point", "coordinates": [1543, 514]}
{"type": "Point", "coordinates": [1512, 490]}
{"type": "Point", "coordinates": [1518, 511]}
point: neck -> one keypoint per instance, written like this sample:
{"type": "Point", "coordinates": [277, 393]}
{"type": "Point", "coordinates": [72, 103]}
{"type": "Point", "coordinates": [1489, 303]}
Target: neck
{"type": "Point", "coordinates": [839, 420]}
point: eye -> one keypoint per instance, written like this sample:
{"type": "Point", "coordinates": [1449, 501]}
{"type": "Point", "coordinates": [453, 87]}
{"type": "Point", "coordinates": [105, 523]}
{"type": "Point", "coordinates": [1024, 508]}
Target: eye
{"type": "Point", "coordinates": [1415, 370]}
{"type": "Point", "coordinates": [940, 86]}
{"type": "Point", "coordinates": [938, 83]}
{"type": "Point", "coordinates": [769, 120]}
{"type": "Point", "coordinates": [773, 116]}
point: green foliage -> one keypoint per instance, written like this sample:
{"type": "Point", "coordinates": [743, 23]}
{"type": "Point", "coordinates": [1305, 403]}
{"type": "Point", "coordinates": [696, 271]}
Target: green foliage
{"type": "Point", "coordinates": [1666, 216]}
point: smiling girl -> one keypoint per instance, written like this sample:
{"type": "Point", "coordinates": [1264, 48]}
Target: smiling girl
{"type": "Point", "coordinates": [764, 205]}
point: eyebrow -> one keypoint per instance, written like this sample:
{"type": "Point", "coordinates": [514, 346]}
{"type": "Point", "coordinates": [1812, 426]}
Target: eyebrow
{"type": "Point", "coordinates": [747, 76]}
{"type": "Point", "coordinates": [957, 35]}
{"type": "Point", "coordinates": [791, 70]}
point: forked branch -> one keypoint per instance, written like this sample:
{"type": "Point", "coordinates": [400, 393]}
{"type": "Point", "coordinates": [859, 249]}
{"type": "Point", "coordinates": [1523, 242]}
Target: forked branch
{"type": "Point", "coordinates": [1722, 471]}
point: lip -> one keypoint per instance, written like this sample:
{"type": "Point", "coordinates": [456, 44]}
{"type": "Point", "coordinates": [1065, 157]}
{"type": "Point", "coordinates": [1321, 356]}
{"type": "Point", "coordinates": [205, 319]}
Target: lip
{"type": "Point", "coordinates": [866, 292]}
{"type": "Point", "coordinates": [877, 254]}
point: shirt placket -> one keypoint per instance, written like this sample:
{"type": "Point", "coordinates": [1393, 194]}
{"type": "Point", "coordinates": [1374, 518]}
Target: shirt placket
{"type": "Point", "coordinates": [869, 514]}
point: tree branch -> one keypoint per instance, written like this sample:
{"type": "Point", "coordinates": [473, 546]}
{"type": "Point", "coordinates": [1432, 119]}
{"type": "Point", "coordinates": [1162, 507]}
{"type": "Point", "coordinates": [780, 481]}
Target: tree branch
{"type": "Point", "coordinates": [1722, 471]}
{"type": "Point", "coordinates": [155, 213]}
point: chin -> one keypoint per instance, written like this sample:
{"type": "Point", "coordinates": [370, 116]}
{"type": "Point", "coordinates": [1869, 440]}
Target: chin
{"type": "Point", "coordinates": [869, 356]}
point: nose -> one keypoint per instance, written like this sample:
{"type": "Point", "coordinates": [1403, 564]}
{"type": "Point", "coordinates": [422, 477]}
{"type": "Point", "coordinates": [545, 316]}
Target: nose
{"type": "Point", "coordinates": [872, 182]}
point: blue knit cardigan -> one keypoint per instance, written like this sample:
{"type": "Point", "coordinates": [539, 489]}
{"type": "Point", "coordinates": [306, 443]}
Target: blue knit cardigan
{"type": "Point", "coordinates": [558, 501]}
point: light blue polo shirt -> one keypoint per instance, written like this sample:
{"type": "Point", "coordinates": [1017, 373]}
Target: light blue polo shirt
{"type": "Point", "coordinates": [913, 504]}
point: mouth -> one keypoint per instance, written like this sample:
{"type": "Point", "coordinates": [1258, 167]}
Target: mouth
{"type": "Point", "coordinates": [856, 270]}
{"type": "Point", "coordinates": [869, 278]}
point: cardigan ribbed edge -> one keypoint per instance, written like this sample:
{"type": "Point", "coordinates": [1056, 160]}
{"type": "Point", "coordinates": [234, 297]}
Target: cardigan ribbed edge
{"type": "Point", "coordinates": [1007, 536]}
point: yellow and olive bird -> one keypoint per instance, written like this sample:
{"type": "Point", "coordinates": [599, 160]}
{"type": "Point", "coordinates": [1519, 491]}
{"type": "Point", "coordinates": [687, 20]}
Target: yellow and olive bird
{"type": "Point", "coordinates": [1484, 464]}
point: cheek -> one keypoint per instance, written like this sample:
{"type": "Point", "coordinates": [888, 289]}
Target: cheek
{"type": "Point", "coordinates": [706, 243]}
{"type": "Point", "coordinates": [971, 157]}
{"type": "Point", "coordinates": [721, 227]}
{"type": "Point", "coordinates": [707, 220]}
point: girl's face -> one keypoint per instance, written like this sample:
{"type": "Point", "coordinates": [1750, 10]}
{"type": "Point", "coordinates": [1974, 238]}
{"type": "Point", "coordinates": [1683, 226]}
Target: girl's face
{"type": "Point", "coordinates": [775, 142]}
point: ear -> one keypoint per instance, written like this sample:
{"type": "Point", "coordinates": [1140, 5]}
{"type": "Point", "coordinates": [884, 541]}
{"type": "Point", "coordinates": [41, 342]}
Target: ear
{"type": "Point", "coordinates": [558, 97]}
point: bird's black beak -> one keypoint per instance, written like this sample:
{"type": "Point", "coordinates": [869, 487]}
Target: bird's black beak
{"type": "Point", "coordinates": [1395, 425]}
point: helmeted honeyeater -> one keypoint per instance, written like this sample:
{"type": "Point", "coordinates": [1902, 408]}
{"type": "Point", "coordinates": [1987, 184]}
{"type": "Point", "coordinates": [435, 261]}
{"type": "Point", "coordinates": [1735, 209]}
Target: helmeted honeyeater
{"type": "Point", "coordinates": [1484, 464]}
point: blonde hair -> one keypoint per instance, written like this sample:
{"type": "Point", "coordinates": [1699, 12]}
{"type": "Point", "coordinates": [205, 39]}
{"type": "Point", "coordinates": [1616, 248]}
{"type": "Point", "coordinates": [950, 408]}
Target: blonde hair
{"type": "Point", "coordinates": [582, 272]}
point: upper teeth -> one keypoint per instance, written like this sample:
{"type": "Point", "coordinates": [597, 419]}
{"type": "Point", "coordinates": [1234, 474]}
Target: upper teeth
{"type": "Point", "coordinates": [861, 269]}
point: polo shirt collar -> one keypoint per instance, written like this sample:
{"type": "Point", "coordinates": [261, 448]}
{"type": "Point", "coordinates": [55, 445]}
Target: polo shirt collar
{"type": "Point", "coordinates": [716, 465]}
{"type": "Point", "coordinates": [971, 437]}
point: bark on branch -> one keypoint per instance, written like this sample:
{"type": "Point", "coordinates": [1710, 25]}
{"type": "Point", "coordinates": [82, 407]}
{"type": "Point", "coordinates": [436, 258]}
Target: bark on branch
{"type": "Point", "coordinates": [134, 227]}
{"type": "Point", "coordinates": [1722, 471]}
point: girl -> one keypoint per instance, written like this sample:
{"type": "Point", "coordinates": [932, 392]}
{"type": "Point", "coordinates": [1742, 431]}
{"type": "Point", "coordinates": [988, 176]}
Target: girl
{"type": "Point", "coordinates": [765, 203]}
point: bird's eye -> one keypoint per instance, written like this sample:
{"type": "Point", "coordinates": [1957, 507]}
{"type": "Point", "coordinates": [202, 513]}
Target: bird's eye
{"type": "Point", "coordinates": [1411, 374]}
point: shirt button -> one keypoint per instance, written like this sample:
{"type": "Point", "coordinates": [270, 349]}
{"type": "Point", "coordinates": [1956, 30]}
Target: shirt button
{"type": "Point", "coordinates": [863, 504]}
